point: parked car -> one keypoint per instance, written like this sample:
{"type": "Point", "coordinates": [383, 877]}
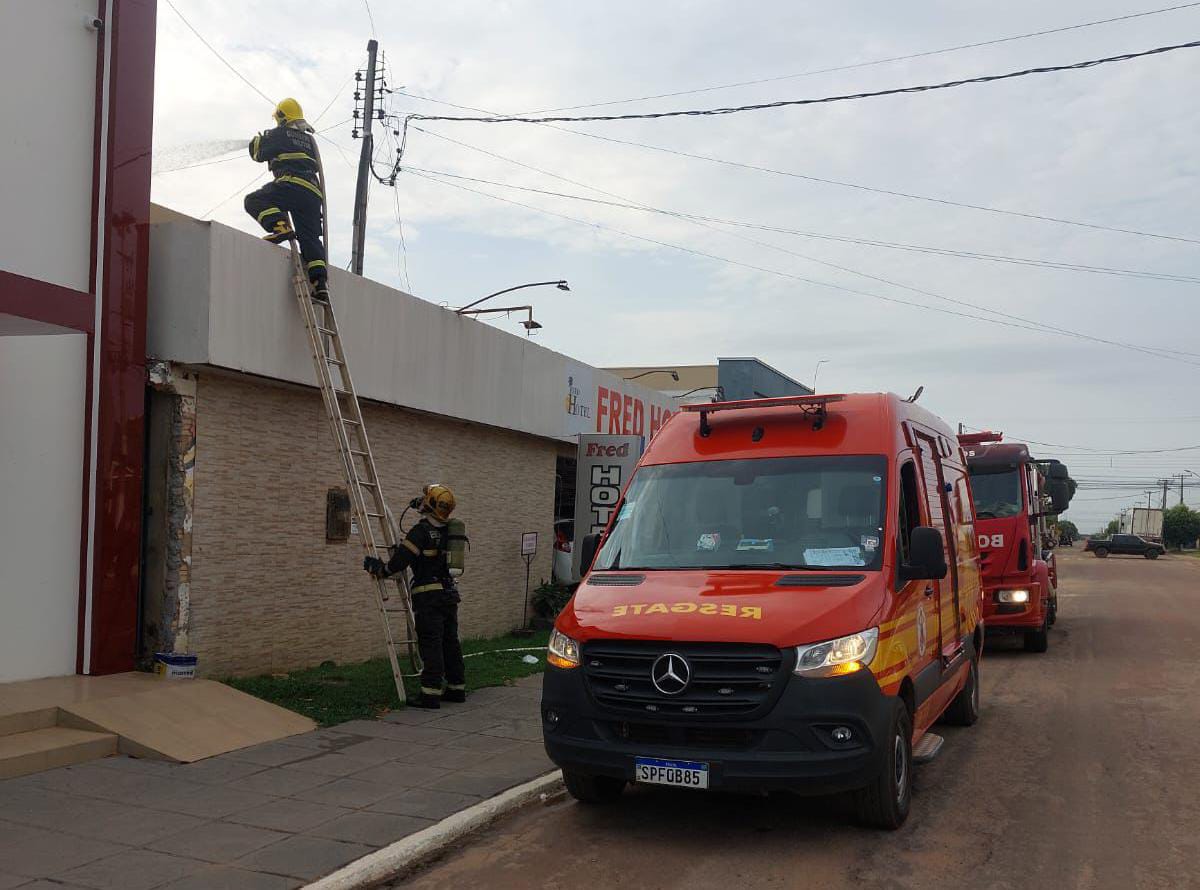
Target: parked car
{"type": "Point", "coordinates": [1127, 545]}
{"type": "Point", "coordinates": [564, 544]}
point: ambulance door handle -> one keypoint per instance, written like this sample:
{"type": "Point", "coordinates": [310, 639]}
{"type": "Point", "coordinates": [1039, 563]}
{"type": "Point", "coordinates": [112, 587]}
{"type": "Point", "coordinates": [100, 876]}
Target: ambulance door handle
{"type": "Point", "coordinates": [929, 590]}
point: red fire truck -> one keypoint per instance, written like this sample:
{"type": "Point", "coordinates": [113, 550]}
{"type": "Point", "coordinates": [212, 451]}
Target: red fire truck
{"type": "Point", "coordinates": [1015, 497]}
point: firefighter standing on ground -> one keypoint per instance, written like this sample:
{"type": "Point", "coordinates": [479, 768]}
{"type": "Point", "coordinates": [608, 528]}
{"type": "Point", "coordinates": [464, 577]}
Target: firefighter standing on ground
{"type": "Point", "coordinates": [435, 597]}
{"type": "Point", "coordinates": [290, 152]}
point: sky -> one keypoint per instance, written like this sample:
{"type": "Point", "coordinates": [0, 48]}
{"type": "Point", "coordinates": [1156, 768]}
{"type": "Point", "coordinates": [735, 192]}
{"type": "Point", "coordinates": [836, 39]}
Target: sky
{"type": "Point", "coordinates": [1112, 146]}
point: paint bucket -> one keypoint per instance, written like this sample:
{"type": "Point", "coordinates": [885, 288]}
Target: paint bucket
{"type": "Point", "coordinates": [170, 666]}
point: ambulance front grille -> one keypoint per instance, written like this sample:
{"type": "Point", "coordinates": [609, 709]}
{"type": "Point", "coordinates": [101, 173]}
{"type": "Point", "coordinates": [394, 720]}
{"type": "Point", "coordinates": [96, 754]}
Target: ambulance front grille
{"type": "Point", "coordinates": [726, 679]}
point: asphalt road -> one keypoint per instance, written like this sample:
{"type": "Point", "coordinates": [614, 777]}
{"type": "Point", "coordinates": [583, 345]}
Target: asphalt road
{"type": "Point", "coordinates": [1084, 772]}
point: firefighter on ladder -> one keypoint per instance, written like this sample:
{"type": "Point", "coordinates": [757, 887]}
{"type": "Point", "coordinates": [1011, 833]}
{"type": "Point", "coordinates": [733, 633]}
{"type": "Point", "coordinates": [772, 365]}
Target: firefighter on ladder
{"type": "Point", "coordinates": [435, 597]}
{"type": "Point", "coordinates": [290, 152]}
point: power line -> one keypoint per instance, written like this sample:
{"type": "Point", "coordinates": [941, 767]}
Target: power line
{"type": "Point", "coordinates": [704, 222]}
{"type": "Point", "coordinates": [367, 4]}
{"type": "Point", "coordinates": [767, 270]}
{"type": "Point", "coordinates": [894, 193]}
{"type": "Point", "coordinates": [1026, 323]}
{"type": "Point", "coordinates": [872, 63]}
{"type": "Point", "coordinates": [822, 236]}
{"type": "Point", "coordinates": [790, 103]}
{"type": "Point", "coordinates": [214, 51]}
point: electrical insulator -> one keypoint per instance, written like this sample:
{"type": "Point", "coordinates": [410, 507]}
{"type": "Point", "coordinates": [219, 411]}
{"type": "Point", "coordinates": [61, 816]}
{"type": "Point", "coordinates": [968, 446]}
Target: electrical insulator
{"type": "Point", "coordinates": [358, 75]}
{"type": "Point", "coordinates": [354, 134]}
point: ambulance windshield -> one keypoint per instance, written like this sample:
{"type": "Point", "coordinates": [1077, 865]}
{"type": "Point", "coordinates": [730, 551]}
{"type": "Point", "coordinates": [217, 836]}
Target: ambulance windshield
{"type": "Point", "coordinates": [997, 490]}
{"type": "Point", "coordinates": [792, 512]}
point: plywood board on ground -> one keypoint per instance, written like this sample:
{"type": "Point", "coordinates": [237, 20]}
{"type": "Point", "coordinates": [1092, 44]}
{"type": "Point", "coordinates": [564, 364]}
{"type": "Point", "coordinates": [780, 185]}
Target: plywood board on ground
{"type": "Point", "coordinates": [186, 720]}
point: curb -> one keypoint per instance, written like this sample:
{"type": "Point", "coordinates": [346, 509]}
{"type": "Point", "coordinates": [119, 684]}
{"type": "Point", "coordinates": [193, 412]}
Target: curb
{"type": "Point", "coordinates": [404, 854]}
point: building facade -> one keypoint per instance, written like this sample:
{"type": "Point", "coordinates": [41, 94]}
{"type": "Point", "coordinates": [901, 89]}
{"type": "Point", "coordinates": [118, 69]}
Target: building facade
{"type": "Point", "coordinates": [79, 83]}
{"type": "Point", "coordinates": [241, 568]}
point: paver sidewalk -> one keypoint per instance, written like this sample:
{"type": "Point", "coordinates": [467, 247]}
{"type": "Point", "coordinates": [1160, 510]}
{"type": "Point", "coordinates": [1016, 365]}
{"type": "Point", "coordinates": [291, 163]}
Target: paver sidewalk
{"type": "Point", "coordinates": [274, 816]}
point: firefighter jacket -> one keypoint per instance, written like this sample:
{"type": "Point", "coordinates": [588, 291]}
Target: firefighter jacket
{"type": "Point", "coordinates": [424, 551]}
{"type": "Point", "coordinates": [290, 153]}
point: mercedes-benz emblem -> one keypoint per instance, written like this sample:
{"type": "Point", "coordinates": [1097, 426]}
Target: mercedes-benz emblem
{"type": "Point", "coordinates": [670, 674]}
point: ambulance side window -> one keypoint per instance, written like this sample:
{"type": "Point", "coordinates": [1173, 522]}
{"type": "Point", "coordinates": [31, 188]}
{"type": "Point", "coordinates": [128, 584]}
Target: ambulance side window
{"type": "Point", "coordinates": [910, 510]}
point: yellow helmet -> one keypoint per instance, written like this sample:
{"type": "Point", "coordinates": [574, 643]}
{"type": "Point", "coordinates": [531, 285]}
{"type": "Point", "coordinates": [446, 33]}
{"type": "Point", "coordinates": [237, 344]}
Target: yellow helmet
{"type": "Point", "coordinates": [288, 110]}
{"type": "Point", "coordinates": [438, 501]}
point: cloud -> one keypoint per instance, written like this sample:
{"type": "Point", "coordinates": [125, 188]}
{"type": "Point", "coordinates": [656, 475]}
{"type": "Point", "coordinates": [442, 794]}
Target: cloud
{"type": "Point", "coordinates": [1110, 145]}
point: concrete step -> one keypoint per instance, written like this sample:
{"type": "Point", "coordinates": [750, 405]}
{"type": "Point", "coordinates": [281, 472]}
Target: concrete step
{"type": "Point", "coordinates": [22, 753]}
{"type": "Point", "coordinates": [26, 721]}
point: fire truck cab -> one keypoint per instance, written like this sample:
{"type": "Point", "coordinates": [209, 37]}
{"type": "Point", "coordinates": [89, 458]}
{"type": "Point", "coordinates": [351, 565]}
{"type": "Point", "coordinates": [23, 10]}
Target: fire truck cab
{"type": "Point", "coordinates": [787, 598]}
{"type": "Point", "coordinates": [1015, 497]}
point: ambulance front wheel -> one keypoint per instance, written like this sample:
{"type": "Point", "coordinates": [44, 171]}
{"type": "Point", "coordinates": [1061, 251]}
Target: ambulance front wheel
{"type": "Point", "coordinates": [1038, 640]}
{"type": "Point", "coordinates": [885, 802]}
{"type": "Point", "coordinates": [592, 789]}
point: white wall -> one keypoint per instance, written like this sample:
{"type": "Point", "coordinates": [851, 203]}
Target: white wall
{"type": "Point", "coordinates": [48, 72]}
{"type": "Point", "coordinates": [41, 451]}
{"type": "Point", "coordinates": [221, 297]}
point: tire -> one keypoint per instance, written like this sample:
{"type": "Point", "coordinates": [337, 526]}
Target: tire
{"type": "Point", "coordinates": [1151, 554]}
{"type": "Point", "coordinates": [964, 710]}
{"type": "Point", "coordinates": [1052, 616]}
{"type": "Point", "coordinates": [1101, 552]}
{"type": "Point", "coordinates": [1038, 640]}
{"type": "Point", "coordinates": [886, 801]}
{"type": "Point", "coordinates": [592, 789]}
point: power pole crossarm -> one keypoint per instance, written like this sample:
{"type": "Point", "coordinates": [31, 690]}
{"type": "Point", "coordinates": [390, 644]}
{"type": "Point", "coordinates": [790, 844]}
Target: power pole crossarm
{"type": "Point", "coordinates": [364, 164]}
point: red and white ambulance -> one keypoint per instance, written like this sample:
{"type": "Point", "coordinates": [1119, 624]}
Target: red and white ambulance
{"type": "Point", "coordinates": [787, 597]}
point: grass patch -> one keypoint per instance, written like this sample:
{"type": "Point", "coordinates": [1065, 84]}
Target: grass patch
{"type": "Point", "coordinates": [335, 693]}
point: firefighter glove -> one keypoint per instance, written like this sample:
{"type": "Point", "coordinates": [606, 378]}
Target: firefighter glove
{"type": "Point", "coordinates": [375, 566]}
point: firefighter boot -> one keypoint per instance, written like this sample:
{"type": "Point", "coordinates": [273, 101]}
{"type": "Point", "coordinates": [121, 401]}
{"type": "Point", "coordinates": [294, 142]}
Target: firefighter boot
{"type": "Point", "coordinates": [425, 700]}
{"type": "Point", "coordinates": [455, 695]}
{"type": "Point", "coordinates": [282, 232]}
{"type": "Point", "coordinates": [320, 291]}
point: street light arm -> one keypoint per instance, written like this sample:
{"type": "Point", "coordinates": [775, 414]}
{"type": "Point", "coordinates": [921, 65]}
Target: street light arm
{"type": "Point", "coordinates": [560, 284]}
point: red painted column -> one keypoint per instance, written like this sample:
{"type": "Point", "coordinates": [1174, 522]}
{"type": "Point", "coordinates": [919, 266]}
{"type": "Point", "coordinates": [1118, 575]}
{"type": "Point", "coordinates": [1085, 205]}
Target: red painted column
{"type": "Point", "coordinates": [116, 418]}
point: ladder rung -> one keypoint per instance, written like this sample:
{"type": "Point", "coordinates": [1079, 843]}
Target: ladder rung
{"type": "Point", "coordinates": [358, 453]}
{"type": "Point", "coordinates": [342, 392]}
{"type": "Point", "coordinates": [334, 361]}
{"type": "Point", "coordinates": [328, 331]}
{"type": "Point", "coordinates": [350, 422]}
{"type": "Point", "coordinates": [367, 484]}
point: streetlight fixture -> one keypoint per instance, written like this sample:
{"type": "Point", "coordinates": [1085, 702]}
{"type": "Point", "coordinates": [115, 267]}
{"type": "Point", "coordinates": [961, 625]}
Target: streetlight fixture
{"type": "Point", "coordinates": [561, 285]}
{"type": "Point", "coordinates": [529, 324]}
{"type": "Point", "coordinates": [674, 374]}
{"type": "Point", "coordinates": [816, 370]}
{"type": "Point", "coordinates": [719, 395]}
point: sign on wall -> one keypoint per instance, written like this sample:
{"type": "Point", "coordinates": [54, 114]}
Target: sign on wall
{"type": "Point", "coordinates": [604, 466]}
{"type": "Point", "coordinates": [598, 402]}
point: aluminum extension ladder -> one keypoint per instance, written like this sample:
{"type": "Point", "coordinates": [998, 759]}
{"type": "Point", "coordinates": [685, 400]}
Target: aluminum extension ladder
{"type": "Point", "coordinates": [377, 527]}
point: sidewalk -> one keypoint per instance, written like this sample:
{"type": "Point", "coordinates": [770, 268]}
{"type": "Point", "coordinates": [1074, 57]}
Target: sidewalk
{"type": "Point", "coordinates": [275, 816]}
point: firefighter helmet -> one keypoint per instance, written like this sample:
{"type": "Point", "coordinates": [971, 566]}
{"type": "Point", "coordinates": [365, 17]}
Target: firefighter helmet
{"type": "Point", "coordinates": [288, 110]}
{"type": "Point", "coordinates": [438, 501]}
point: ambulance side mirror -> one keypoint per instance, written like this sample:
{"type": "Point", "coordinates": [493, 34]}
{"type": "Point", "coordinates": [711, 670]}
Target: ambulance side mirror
{"type": "Point", "coordinates": [926, 556]}
{"type": "Point", "coordinates": [587, 552]}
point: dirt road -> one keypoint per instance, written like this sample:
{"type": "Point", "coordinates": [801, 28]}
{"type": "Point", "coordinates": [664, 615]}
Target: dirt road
{"type": "Point", "coordinates": [1084, 772]}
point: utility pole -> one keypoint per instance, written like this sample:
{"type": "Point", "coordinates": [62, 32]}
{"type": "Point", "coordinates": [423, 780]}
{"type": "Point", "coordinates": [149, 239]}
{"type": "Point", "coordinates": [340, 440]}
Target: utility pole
{"type": "Point", "coordinates": [1165, 483]}
{"type": "Point", "coordinates": [364, 163]}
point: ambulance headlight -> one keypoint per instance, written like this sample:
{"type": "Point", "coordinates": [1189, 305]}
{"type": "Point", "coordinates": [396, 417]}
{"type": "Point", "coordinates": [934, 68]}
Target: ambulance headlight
{"type": "Point", "coordinates": [844, 655]}
{"type": "Point", "coordinates": [1012, 596]}
{"type": "Point", "coordinates": [563, 651]}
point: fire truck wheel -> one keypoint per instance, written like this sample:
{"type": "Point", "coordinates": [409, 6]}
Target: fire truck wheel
{"type": "Point", "coordinates": [1038, 640]}
{"type": "Point", "coordinates": [885, 802]}
{"type": "Point", "coordinates": [592, 789]}
{"type": "Point", "coordinates": [964, 710]}
{"type": "Point", "coordinates": [1101, 552]}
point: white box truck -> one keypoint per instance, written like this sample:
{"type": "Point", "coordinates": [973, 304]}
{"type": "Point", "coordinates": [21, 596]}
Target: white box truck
{"type": "Point", "coordinates": [1145, 522]}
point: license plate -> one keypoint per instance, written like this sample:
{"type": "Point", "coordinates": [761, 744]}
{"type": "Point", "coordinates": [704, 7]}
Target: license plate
{"type": "Point", "coordinates": [679, 773]}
